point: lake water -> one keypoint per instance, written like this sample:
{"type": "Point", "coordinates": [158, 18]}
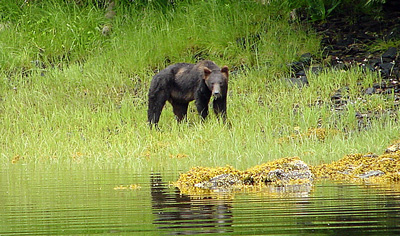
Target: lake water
{"type": "Point", "coordinates": [81, 201]}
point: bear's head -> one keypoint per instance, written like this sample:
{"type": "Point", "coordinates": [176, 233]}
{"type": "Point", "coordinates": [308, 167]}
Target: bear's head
{"type": "Point", "coordinates": [217, 81]}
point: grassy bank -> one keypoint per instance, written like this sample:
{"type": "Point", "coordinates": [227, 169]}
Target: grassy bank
{"type": "Point", "coordinates": [69, 94]}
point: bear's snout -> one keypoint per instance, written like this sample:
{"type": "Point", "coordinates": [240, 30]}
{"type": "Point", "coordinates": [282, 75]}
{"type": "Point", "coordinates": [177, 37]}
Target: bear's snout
{"type": "Point", "coordinates": [216, 92]}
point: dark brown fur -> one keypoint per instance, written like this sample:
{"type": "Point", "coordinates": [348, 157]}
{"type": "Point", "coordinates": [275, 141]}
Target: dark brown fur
{"type": "Point", "coordinates": [182, 83]}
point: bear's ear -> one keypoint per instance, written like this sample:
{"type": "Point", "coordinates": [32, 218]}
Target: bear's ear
{"type": "Point", "coordinates": [207, 72]}
{"type": "Point", "coordinates": [225, 71]}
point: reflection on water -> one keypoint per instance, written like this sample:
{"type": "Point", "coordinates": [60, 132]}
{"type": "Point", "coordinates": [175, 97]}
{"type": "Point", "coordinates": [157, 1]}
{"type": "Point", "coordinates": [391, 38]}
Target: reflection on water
{"type": "Point", "coordinates": [50, 201]}
{"type": "Point", "coordinates": [186, 216]}
{"type": "Point", "coordinates": [332, 209]}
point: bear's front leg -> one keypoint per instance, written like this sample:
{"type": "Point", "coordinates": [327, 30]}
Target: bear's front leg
{"type": "Point", "coordinates": [219, 106]}
{"type": "Point", "coordinates": [202, 105]}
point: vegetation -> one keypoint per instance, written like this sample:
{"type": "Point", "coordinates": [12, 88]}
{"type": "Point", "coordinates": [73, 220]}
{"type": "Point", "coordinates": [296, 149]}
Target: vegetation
{"type": "Point", "coordinates": [74, 81]}
{"type": "Point", "coordinates": [321, 10]}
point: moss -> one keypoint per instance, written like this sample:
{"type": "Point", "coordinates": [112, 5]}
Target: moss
{"type": "Point", "coordinates": [289, 171]}
{"type": "Point", "coordinates": [353, 167]}
{"type": "Point", "coordinates": [200, 174]}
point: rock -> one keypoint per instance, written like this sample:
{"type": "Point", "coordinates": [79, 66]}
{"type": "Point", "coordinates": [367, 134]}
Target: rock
{"type": "Point", "coordinates": [296, 66]}
{"type": "Point", "coordinates": [393, 148]}
{"type": "Point", "coordinates": [282, 176]}
{"type": "Point", "coordinates": [391, 53]}
{"type": "Point", "coordinates": [316, 69]}
{"type": "Point", "coordinates": [222, 182]}
{"type": "Point", "coordinates": [346, 46]}
{"type": "Point", "coordinates": [306, 58]}
{"type": "Point", "coordinates": [106, 30]}
{"type": "Point", "coordinates": [298, 82]}
{"type": "Point", "coordinates": [386, 69]}
{"type": "Point", "coordinates": [370, 155]}
{"type": "Point", "coordinates": [283, 172]}
{"type": "Point", "coordinates": [301, 73]}
{"type": "Point", "coordinates": [110, 13]}
{"type": "Point", "coordinates": [375, 62]}
{"type": "Point", "coordinates": [303, 80]}
{"type": "Point", "coordinates": [335, 98]}
{"type": "Point", "coordinates": [39, 64]}
{"type": "Point", "coordinates": [378, 86]}
{"type": "Point", "coordinates": [371, 173]}
{"type": "Point", "coordinates": [290, 173]}
{"type": "Point", "coordinates": [370, 91]}
{"type": "Point", "coordinates": [300, 66]}
{"type": "Point", "coordinates": [391, 5]}
{"type": "Point", "coordinates": [393, 34]}
{"type": "Point", "coordinates": [368, 67]}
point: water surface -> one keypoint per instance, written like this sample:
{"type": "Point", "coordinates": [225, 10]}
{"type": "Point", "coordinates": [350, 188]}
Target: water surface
{"type": "Point", "coordinates": [50, 201]}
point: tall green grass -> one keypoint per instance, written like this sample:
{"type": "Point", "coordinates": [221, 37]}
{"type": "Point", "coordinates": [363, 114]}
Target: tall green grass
{"type": "Point", "coordinates": [71, 96]}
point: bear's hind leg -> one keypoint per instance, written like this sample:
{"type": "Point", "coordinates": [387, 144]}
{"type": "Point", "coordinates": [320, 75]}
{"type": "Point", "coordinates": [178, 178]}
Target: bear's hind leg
{"type": "Point", "coordinates": [156, 104]}
{"type": "Point", "coordinates": [180, 110]}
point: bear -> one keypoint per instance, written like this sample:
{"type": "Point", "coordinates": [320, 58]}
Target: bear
{"type": "Point", "coordinates": [182, 83]}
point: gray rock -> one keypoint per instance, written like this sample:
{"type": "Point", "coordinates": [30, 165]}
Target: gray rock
{"type": "Point", "coordinates": [390, 53]}
{"type": "Point", "coordinates": [371, 174]}
{"type": "Point", "coordinates": [370, 91]}
{"type": "Point", "coordinates": [298, 82]}
{"type": "Point", "coordinates": [220, 181]}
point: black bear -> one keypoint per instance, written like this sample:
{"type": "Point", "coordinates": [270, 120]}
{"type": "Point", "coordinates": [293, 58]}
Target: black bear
{"type": "Point", "coordinates": [183, 82]}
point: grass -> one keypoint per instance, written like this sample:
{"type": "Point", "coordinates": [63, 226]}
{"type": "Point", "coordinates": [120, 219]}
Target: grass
{"type": "Point", "coordinates": [71, 96]}
{"type": "Point", "coordinates": [382, 45]}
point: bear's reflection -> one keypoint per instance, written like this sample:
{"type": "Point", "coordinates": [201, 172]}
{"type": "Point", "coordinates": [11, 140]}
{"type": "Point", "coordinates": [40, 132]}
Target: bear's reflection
{"type": "Point", "coordinates": [179, 215]}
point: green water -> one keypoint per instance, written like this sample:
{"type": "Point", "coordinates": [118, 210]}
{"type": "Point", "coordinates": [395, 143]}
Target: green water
{"type": "Point", "coordinates": [38, 200]}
